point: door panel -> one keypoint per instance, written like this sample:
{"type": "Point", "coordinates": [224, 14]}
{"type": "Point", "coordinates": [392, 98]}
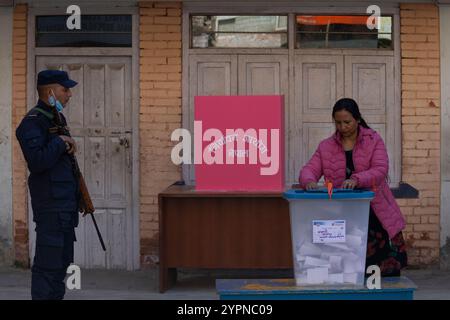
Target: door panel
{"type": "Point", "coordinates": [313, 133]}
{"type": "Point", "coordinates": [93, 252]}
{"type": "Point", "coordinates": [94, 102]}
{"type": "Point", "coordinates": [117, 117]}
{"type": "Point", "coordinates": [266, 75]}
{"type": "Point", "coordinates": [213, 75]}
{"type": "Point", "coordinates": [370, 81]}
{"type": "Point", "coordinates": [118, 161]}
{"type": "Point", "coordinates": [100, 122]}
{"type": "Point", "coordinates": [380, 128]}
{"type": "Point", "coordinates": [75, 111]}
{"type": "Point", "coordinates": [96, 167]}
{"type": "Point", "coordinates": [319, 82]}
{"type": "Point", "coordinates": [210, 75]}
{"type": "Point", "coordinates": [263, 75]}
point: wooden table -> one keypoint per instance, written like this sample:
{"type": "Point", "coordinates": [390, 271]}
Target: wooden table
{"type": "Point", "coordinates": [222, 230]}
{"type": "Point", "coordinates": [392, 288]}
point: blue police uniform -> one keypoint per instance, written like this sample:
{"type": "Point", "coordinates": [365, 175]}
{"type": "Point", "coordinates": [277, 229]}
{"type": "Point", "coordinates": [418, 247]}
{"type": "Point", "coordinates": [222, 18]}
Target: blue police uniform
{"type": "Point", "coordinates": [54, 195]}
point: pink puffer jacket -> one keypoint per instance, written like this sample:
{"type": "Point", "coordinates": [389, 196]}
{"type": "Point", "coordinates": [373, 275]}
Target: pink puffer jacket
{"type": "Point", "coordinates": [371, 168]}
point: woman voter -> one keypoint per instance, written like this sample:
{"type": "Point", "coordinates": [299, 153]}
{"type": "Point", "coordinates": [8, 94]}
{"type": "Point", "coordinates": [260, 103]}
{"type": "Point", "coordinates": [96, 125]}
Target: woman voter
{"type": "Point", "coordinates": [355, 156]}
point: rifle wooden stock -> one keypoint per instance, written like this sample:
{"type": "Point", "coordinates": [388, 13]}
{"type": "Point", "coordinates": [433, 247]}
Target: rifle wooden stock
{"type": "Point", "coordinates": [86, 202]}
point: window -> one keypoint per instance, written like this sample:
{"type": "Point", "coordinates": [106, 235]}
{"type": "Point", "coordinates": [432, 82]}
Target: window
{"type": "Point", "coordinates": [239, 31]}
{"type": "Point", "coordinates": [342, 32]}
{"type": "Point", "coordinates": [96, 31]}
{"type": "Point", "coordinates": [281, 23]}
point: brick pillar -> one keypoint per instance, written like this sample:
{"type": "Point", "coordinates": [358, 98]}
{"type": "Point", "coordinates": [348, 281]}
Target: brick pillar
{"type": "Point", "coordinates": [160, 113]}
{"type": "Point", "coordinates": [421, 129]}
{"type": "Point", "coordinates": [20, 198]}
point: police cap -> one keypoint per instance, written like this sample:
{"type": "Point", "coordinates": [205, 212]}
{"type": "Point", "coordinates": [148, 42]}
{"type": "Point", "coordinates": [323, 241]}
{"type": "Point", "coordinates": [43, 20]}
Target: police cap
{"type": "Point", "coordinates": [55, 76]}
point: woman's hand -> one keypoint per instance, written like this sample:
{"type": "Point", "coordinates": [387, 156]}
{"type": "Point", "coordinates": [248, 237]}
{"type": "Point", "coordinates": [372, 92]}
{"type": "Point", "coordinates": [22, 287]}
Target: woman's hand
{"type": "Point", "coordinates": [349, 184]}
{"type": "Point", "coordinates": [311, 185]}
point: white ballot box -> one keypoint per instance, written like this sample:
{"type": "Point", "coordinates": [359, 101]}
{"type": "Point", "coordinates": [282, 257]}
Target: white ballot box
{"type": "Point", "coordinates": [329, 235]}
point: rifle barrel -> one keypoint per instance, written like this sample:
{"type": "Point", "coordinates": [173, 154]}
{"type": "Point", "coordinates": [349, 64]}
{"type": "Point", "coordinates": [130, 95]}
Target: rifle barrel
{"type": "Point", "coordinates": [98, 232]}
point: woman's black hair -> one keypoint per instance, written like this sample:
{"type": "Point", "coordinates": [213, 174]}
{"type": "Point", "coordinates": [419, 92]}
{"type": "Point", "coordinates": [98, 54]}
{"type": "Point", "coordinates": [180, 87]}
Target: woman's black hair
{"type": "Point", "coordinates": [351, 106]}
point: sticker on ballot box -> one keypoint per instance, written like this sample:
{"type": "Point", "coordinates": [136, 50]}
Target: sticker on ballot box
{"type": "Point", "coordinates": [328, 231]}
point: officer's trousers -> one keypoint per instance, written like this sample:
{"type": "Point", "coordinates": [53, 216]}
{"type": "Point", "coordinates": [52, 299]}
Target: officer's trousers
{"type": "Point", "coordinates": [55, 236]}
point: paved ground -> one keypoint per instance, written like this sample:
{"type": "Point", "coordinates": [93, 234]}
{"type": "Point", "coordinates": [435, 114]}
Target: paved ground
{"type": "Point", "coordinates": [192, 284]}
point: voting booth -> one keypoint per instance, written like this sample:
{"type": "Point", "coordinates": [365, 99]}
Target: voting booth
{"type": "Point", "coordinates": [329, 235]}
{"type": "Point", "coordinates": [239, 143]}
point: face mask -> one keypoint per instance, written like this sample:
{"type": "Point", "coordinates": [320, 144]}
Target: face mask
{"type": "Point", "coordinates": [55, 103]}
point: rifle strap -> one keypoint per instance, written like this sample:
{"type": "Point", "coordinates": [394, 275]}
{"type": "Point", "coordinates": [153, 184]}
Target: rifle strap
{"type": "Point", "coordinates": [51, 117]}
{"type": "Point", "coordinates": [45, 113]}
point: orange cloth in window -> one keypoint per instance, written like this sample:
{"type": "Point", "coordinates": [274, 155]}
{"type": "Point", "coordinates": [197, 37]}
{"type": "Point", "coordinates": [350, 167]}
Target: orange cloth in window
{"type": "Point", "coordinates": [324, 20]}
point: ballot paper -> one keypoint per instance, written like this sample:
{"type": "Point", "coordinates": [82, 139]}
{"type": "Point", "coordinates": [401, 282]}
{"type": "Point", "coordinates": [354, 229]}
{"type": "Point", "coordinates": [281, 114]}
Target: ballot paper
{"type": "Point", "coordinates": [326, 255]}
{"type": "Point", "coordinates": [351, 278]}
{"type": "Point", "coordinates": [329, 231]}
{"type": "Point", "coordinates": [350, 266]}
{"type": "Point", "coordinates": [300, 258]}
{"type": "Point", "coordinates": [317, 275]}
{"type": "Point", "coordinates": [334, 255]}
{"type": "Point", "coordinates": [309, 249]}
{"type": "Point", "coordinates": [339, 246]}
{"type": "Point", "coordinates": [336, 263]}
{"type": "Point", "coordinates": [336, 278]}
{"type": "Point", "coordinates": [357, 232]}
{"type": "Point", "coordinates": [354, 242]}
{"type": "Point", "coordinates": [314, 262]}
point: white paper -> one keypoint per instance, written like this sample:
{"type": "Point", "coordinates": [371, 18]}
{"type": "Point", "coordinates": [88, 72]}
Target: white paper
{"type": "Point", "coordinates": [326, 255]}
{"type": "Point", "coordinates": [350, 266]}
{"type": "Point", "coordinates": [336, 263]}
{"type": "Point", "coordinates": [354, 241]}
{"type": "Point", "coordinates": [351, 256]}
{"type": "Point", "coordinates": [317, 275]}
{"type": "Point", "coordinates": [314, 262]}
{"type": "Point", "coordinates": [351, 278]}
{"type": "Point", "coordinates": [359, 266]}
{"type": "Point", "coordinates": [336, 278]}
{"type": "Point", "coordinates": [329, 231]}
{"type": "Point", "coordinates": [339, 246]}
{"type": "Point", "coordinates": [310, 250]}
{"type": "Point", "coordinates": [299, 257]}
{"type": "Point", "coordinates": [356, 232]}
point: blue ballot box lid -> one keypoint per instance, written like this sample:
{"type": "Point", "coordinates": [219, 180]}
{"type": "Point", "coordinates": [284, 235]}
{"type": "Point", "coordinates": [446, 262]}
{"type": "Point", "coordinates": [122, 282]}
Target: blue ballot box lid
{"type": "Point", "coordinates": [338, 194]}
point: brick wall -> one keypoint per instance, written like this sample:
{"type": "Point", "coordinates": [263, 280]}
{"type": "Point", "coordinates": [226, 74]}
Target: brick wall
{"type": "Point", "coordinates": [421, 129]}
{"type": "Point", "coordinates": [20, 204]}
{"type": "Point", "coordinates": [160, 113]}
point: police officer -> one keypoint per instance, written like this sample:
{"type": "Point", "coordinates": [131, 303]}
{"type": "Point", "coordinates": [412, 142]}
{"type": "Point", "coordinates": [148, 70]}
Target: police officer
{"type": "Point", "coordinates": [52, 183]}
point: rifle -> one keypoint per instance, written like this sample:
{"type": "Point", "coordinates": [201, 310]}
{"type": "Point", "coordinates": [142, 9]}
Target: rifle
{"type": "Point", "coordinates": [86, 205]}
